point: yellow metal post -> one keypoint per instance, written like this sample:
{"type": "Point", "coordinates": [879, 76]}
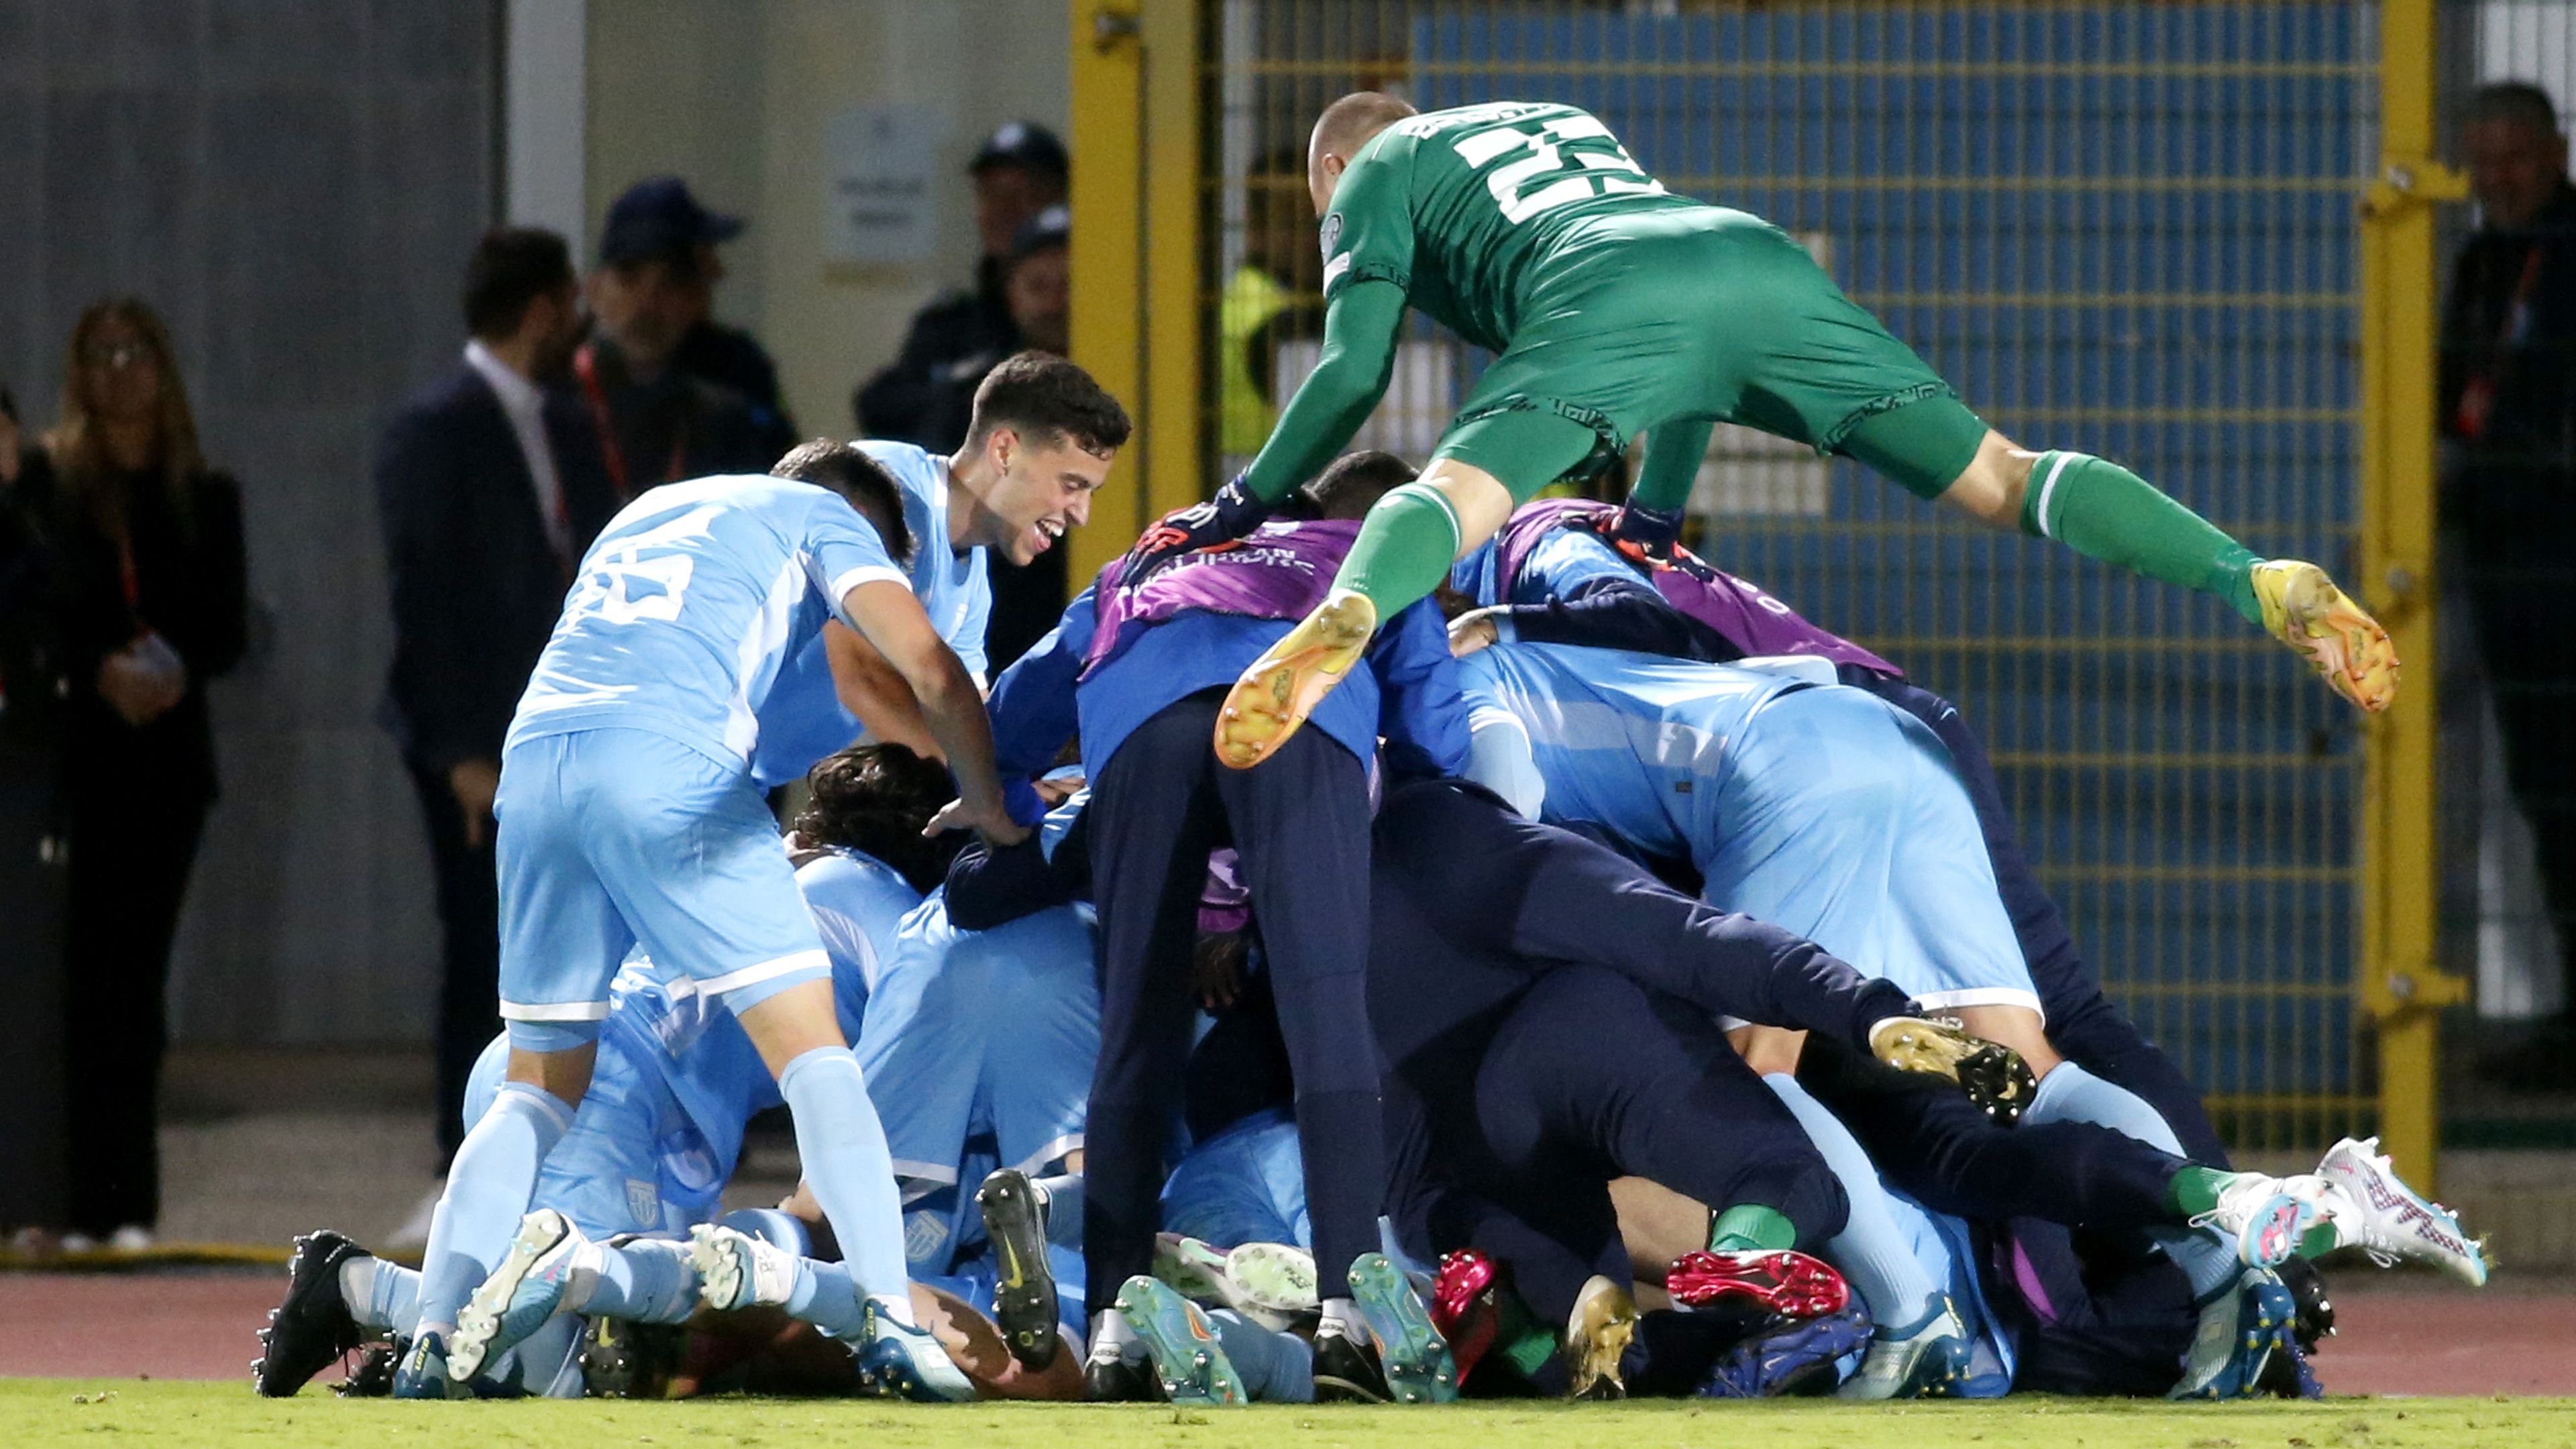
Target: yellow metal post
{"type": "Point", "coordinates": [1108, 252]}
{"type": "Point", "coordinates": [2402, 985]}
{"type": "Point", "coordinates": [1135, 253]}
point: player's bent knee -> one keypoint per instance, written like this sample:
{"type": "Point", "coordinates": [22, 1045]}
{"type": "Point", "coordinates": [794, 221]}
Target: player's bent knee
{"type": "Point", "coordinates": [1481, 502]}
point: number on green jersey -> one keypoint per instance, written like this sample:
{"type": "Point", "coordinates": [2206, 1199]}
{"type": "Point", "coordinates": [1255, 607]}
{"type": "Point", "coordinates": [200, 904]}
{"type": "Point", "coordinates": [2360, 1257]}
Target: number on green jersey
{"type": "Point", "coordinates": [1562, 161]}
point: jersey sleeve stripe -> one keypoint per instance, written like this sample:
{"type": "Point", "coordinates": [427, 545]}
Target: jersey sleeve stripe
{"type": "Point", "coordinates": [866, 574]}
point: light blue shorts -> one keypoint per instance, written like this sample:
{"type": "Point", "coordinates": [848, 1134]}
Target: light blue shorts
{"type": "Point", "coordinates": [632, 1161]}
{"type": "Point", "coordinates": [1247, 1184]}
{"type": "Point", "coordinates": [995, 1036]}
{"type": "Point", "coordinates": [613, 836]}
{"type": "Point", "coordinates": [1843, 820]}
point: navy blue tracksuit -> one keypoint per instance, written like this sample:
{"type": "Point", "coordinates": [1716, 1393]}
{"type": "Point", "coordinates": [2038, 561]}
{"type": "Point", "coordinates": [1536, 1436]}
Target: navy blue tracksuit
{"type": "Point", "coordinates": [1299, 823]}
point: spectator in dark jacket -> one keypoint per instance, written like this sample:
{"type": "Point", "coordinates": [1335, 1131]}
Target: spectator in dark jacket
{"type": "Point", "coordinates": [151, 590]}
{"type": "Point", "coordinates": [924, 396]}
{"type": "Point", "coordinates": [2508, 404]}
{"type": "Point", "coordinates": [659, 217]}
{"type": "Point", "coordinates": [489, 485]}
{"type": "Point", "coordinates": [33, 692]}
{"type": "Point", "coordinates": [659, 421]}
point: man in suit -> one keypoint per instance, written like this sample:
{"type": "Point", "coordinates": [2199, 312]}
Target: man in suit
{"type": "Point", "coordinates": [490, 483]}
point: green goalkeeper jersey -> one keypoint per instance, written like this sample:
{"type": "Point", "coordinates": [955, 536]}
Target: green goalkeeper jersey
{"type": "Point", "coordinates": [1472, 211]}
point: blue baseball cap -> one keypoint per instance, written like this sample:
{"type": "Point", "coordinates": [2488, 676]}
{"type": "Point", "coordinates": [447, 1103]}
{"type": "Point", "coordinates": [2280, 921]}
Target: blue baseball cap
{"type": "Point", "coordinates": [657, 217]}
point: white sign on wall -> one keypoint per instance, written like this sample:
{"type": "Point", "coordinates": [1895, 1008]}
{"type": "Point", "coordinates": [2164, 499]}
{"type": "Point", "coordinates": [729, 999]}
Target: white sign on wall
{"type": "Point", "coordinates": [882, 206]}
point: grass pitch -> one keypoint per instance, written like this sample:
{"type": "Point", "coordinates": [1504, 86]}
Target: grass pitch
{"type": "Point", "coordinates": [50, 1412]}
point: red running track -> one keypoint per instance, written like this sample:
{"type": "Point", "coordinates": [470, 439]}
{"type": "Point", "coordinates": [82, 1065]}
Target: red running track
{"type": "Point", "coordinates": [2404, 1340]}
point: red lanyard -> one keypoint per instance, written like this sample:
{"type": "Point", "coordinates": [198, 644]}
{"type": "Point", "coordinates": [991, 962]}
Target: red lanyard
{"type": "Point", "coordinates": [585, 366]}
{"type": "Point", "coordinates": [2477, 396]}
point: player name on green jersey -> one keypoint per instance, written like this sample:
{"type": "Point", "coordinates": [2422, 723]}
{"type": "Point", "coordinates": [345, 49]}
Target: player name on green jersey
{"type": "Point", "coordinates": [1473, 210]}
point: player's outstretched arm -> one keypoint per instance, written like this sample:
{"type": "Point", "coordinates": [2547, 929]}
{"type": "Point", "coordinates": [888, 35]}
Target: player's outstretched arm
{"type": "Point", "coordinates": [892, 620]}
{"type": "Point", "coordinates": [2103, 511]}
{"type": "Point", "coordinates": [1349, 378]}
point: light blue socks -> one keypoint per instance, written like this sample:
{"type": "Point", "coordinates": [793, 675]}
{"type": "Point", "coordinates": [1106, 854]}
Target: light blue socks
{"type": "Point", "coordinates": [647, 1281]}
{"type": "Point", "coordinates": [843, 1149]}
{"type": "Point", "coordinates": [488, 1187]}
{"type": "Point", "coordinates": [1873, 1250]}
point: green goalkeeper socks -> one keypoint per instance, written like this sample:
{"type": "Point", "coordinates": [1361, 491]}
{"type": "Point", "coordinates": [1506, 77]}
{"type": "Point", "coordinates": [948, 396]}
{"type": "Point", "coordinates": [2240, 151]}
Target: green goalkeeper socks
{"type": "Point", "coordinates": [2195, 1190]}
{"type": "Point", "coordinates": [2102, 510]}
{"type": "Point", "coordinates": [1746, 1229]}
{"type": "Point", "coordinates": [1404, 549]}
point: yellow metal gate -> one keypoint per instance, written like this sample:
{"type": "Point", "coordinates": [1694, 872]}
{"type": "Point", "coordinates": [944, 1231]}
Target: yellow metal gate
{"type": "Point", "coordinates": [2193, 236]}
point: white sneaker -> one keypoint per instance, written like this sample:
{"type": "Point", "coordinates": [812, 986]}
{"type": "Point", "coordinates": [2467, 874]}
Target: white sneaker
{"type": "Point", "coordinates": [2374, 1210]}
{"type": "Point", "coordinates": [132, 1238]}
{"type": "Point", "coordinates": [78, 1243]}
{"type": "Point", "coordinates": [2263, 1216]}
{"type": "Point", "coordinates": [736, 1270]}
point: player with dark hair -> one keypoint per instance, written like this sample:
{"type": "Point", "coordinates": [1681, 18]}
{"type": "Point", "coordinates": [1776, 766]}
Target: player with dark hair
{"type": "Point", "coordinates": [632, 812]}
{"type": "Point", "coordinates": [675, 1083]}
{"type": "Point", "coordinates": [1617, 308]}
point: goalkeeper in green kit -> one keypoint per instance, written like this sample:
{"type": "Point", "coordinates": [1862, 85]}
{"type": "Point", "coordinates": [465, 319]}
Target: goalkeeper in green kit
{"type": "Point", "coordinates": [1614, 308]}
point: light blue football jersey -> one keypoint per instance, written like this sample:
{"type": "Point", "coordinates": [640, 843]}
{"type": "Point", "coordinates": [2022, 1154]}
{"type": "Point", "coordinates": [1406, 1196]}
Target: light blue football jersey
{"type": "Point", "coordinates": [955, 589]}
{"type": "Point", "coordinates": [1637, 744]}
{"type": "Point", "coordinates": [689, 606]}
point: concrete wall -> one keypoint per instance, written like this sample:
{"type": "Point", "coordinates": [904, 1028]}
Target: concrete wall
{"type": "Point", "coordinates": [736, 97]}
{"type": "Point", "coordinates": [295, 185]}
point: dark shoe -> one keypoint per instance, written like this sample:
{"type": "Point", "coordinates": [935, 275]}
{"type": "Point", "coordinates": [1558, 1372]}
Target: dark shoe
{"type": "Point", "coordinates": [626, 1360]}
{"type": "Point", "coordinates": [311, 1327]}
{"type": "Point", "coordinates": [1347, 1370]}
{"type": "Point", "coordinates": [2315, 1322]}
{"type": "Point", "coordinates": [1793, 1358]}
{"type": "Point", "coordinates": [1119, 1380]}
{"type": "Point", "coordinates": [1024, 1298]}
{"type": "Point", "coordinates": [373, 1378]}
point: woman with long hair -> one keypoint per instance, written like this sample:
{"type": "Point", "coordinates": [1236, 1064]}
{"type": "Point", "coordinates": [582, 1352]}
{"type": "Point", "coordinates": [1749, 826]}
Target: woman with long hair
{"type": "Point", "coordinates": [152, 580]}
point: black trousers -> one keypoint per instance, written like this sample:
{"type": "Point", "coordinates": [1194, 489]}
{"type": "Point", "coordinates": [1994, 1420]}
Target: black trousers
{"type": "Point", "coordinates": [1300, 822]}
{"type": "Point", "coordinates": [468, 884]}
{"type": "Point", "coordinates": [32, 1080]}
{"type": "Point", "coordinates": [2522, 593]}
{"type": "Point", "coordinates": [2083, 1024]}
{"type": "Point", "coordinates": [130, 857]}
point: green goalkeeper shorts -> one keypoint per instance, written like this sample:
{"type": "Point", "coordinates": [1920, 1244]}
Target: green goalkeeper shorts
{"type": "Point", "coordinates": [1708, 313]}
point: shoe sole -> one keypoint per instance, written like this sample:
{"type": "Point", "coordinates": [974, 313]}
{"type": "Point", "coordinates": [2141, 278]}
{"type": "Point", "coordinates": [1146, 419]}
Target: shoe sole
{"type": "Point", "coordinates": [2262, 1321]}
{"type": "Point", "coordinates": [1993, 1076]}
{"type": "Point", "coordinates": [1187, 1358]}
{"type": "Point", "coordinates": [1605, 1322]}
{"type": "Point", "coordinates": [309, 1271]}
{"type": "Point", "coordinates": [1024, 1297]}
{"type": "Point", "coordinates": [1801, 1287]}
{"type": "Point", "coordinates": [1409, 1346]}
{"type": "Point", "coordinates": [2271, 1237]}
{"type": "Point", "coordinates": [1274, 1278]}
{"type": "Point", "coordinates": [1273, 698]}
{"type": "Point", "coordinates": [477, 1324]}
{"type": "Point", "coordinates": [723, 1273]}
{"type": "Point", "coordinates": [2322, 624]}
